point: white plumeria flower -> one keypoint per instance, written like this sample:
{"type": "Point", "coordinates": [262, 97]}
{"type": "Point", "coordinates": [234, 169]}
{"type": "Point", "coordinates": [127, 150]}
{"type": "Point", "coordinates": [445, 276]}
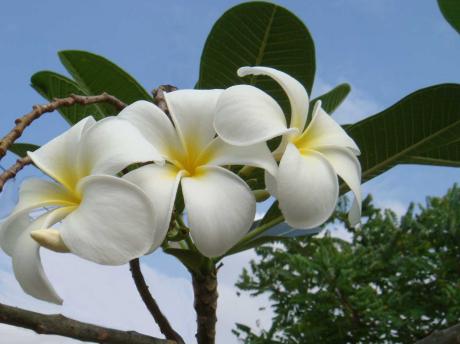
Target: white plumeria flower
{"type": "Point", "coordinates": [306, 183]}
{"type": "Point", "coordinates": [105, 219]}
{"type": "Point", "coordinates": [219, 204]}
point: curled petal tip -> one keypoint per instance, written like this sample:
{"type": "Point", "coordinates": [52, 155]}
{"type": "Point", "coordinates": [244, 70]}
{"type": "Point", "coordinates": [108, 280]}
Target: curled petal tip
{"type": "Point", "coordinates": [243, 71]}
{"type": "Point", "coordinates": [51, 239]}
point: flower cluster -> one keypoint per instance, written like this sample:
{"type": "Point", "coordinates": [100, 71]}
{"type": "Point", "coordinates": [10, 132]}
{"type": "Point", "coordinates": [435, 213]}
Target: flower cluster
{"type": "Point", "coordinates": [107, 209]}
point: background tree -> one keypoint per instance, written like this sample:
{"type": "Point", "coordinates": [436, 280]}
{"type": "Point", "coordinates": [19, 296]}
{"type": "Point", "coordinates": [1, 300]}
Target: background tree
{"type": "Point", "coordinates": [397, 281]}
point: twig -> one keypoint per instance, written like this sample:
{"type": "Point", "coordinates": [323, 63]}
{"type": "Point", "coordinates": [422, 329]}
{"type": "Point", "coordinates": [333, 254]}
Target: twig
{"type": "Point", "coordinates": [38, 110]}
{"type": "Point", "coordinates": [58, 324]}
{"type": "Point", "coordinates": [159, 96]}
{"type": "Point", "coordinates": [13, 170]}
{"type": "Point", "coordinates": [151, 304]}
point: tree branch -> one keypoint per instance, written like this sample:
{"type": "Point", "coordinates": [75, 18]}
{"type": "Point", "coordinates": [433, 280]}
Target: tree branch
{"type": "Point", "coordinates": [159, 96]}
{"type": "Point", "coordinates": [151, 304]}
{"type": "Point", "coordinates": [449, 335]}
{"type": "Point", "coordinates": [13, 170]}
{"type": "Point", "coordinates": [58, 324]}
{"type": "Point", "coordinates": [38, 110]}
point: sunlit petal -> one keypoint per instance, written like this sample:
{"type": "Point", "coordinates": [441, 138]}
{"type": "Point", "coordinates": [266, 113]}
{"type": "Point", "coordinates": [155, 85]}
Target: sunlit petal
{"type": "Point", "coordinates": [323, 131]}
{"type": "Point", "coordinates": [153, 123]}
{"type": "Point", "coordinates": [57, 158]}
{"type": "Point", "coordinates": [27, 265]}
{"type": "Point", "coordinates": [307, 188]}
{"type": "Point", "coordinates": [298, 96]}
{"type": "Point", "coordinates": [347, 166]}
{"type": "Point", "coordinates": [160, 184]}
{"type": "Point", "coordinates": [113, 224]}
{"type": "Point", "coordinates": [220, 153]}
{"type": "Point", "coordinates": [111, 145]}
{"type": "Point", "coordinates": [193, 114]}
{"type": "Point", "coordinates": [246, 115]}
{"type": "Point", "coordinates": [35, 193]}
{"type": "Point", "coordinates": [220, 208]}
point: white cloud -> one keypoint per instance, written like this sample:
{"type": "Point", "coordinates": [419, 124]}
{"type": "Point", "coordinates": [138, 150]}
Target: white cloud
{"type": "Point", "coordinates": [107, 296]}
{"type": "Point", "coordinates": [358, 105]}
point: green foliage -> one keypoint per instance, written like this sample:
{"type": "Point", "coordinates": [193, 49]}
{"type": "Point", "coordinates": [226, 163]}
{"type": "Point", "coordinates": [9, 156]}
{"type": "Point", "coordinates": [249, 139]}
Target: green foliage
{"type": "Point", "coordinates": [96, 74]}
{"type": "Point", "coordinates": [93, 75]}
{"type": "Point", "coordinates": [450, 9]}
{"type": "Point", "coordinates": [410, 131]}
{"type": "Point", "coordinates": [21, 149]}
{"type": "Point", "coordinates": [396, 282]}
{"type": "Point", "coordinates": [262, 34]}
{"type": "Point", "coordinates": [444, 155]}
{"type": "Point", "coordinates": [52, 85]}
{"type": "Point", "coordinates": [192, 260]}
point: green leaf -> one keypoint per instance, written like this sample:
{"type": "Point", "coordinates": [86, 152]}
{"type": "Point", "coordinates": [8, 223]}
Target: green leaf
{"type": "Point", "coordinates": [21, 149]}
{"type": "Point", "coordinates": [52, 85]}
{"type": "Point", "coordinates": [445, 155]}
{"type": "Point", "coordinates": [255, 243]}
{"type": "Point", "coordinates": [272, 213]}
{"type": "Point", "coordinates": [450, 9]}
{"type": "Point", "coordinates": [96, 74]}
{"type": "Point", "coordinates": [332, 99]}
{"type": "Point", "coordinates": [191, 259]}
{"type": "Point", "coordinates": [257, 33]}
{"type": "Point", "coordinates": [418, 124]}
{"type": "Point", "coordinates": [280, 232]}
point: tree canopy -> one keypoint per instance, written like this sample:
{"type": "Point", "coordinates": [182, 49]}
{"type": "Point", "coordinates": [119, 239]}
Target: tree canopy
{"type": "Point", "coordinates": [397, 281]}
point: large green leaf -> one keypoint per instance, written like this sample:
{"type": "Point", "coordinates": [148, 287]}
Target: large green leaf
{"type": "Point", "coordinates": [52, 85]}
{"type": "Point", "coordinates": [450, 9]}
{"type": "Point", "coordinates": [331, 100]}
{"type": "Point", "coordinates": [444, 155]}
{"type": "Point", "coordinates": [257, 33]}
{"type": "Point", "coordinates": [21, 149]}
{"type": "Point", "coordinates": [421, 124]}
{"type": "Point", "coordinates": [96, 74]}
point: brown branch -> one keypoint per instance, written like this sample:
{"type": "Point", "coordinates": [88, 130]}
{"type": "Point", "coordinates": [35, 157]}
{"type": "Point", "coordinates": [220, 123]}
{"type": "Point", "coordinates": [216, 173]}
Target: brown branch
{"type": "Point", "coordinates": [205, 291]}
{"type": "Point", "coordinates": [159, 96]}
{"type": "Point", "coordinates": [151, 304]}
{"type": "Point", "coordinates": [38, 110]}
{"type": "Point", "coordinates": [58, 324]}
{"type": "Point", "coordinates": [450, 335]}
{"type": "Point", "coordinates": [13, 170]}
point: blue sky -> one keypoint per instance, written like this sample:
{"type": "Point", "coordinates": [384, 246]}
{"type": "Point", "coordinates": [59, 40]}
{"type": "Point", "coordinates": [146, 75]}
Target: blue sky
{"type": "Point", "coordinates": [384, 49]}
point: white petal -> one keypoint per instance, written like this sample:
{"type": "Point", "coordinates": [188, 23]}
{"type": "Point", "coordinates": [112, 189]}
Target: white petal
{"type": "Point", "coordinates": [33, 193]}
{"type": "Point", "coordinates": [246, 115]}
{"type": "Point", "coordinates": [57, 158]}
{"type": "Point", "coordinates": [307, 188]}
{"type": "Point", "coordinates": [27, 265]}
{"type": "Point", "coordinates": [271, 184]}
{"type": "Point", "coordinates": [154, 124]}
{"type": "Point", "coordinates": [323, 131]}
{"type": "Point", "coordinates": [347, 166]}
{"type": "Point", "coordinates": [113, 224]}
{"type": "Point", "coordinates": [220, 208]}
{"type": "Point", "coordinates": [111, 145]}
{"type": "Point", "coordinates": [298, 96]}
{"type": "Point", "coordinates": [220, 153]}
{"type": "Point", "coordinates": [160, 184]}
{"type": "Point", "coordinates": [11, 229]}
{"type": "Point", "coordinates": [193, 114]}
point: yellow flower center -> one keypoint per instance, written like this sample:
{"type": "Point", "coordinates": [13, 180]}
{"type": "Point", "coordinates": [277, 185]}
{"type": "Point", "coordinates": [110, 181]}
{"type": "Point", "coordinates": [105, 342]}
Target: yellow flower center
{"type": "Point", "coordinates": [190, 159]}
